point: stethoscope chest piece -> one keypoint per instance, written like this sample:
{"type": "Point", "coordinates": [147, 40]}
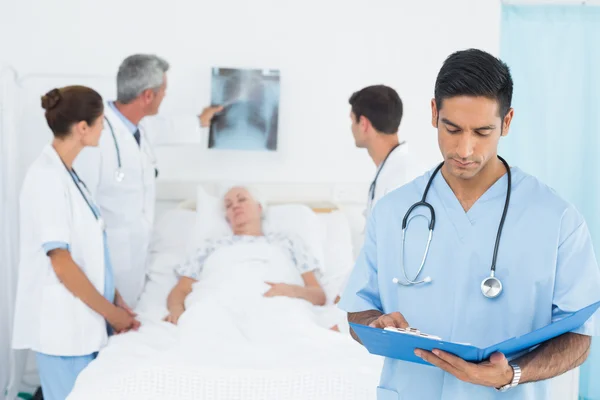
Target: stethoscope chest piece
{"type": "Point", "coordinates": [119, 175]}
{"type": "Point", "coordinates": [491, 287]}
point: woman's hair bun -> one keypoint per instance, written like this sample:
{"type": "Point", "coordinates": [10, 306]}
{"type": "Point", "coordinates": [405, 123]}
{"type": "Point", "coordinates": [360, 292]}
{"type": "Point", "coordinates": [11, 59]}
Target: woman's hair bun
{"type": "Point", "coordinates": [51, 99]}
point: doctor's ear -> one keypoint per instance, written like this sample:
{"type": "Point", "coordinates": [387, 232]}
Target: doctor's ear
{"type": "Point", "coordinates": [148, 95]}
{"type": "Point", "coordinates": [506, 121]}
{"type": "Point", "coordinates": [80, 128]}
{"type": "Point", "coordinates": [434, 114]}
{"type": "Point", "coordinates": [364, 123]}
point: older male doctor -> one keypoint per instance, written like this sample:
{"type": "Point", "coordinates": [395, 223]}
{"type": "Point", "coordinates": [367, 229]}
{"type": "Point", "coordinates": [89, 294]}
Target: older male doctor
{"type": "Point", "coordinates": [544, 260]}
{"type": "Point", "coordinates": [121, 171]}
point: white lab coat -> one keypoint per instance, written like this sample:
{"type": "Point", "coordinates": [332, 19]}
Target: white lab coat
{"type": "Point", "coordinates": [127, 206]}
{"type": "Point", "coordinates": [48, 317]}
{"type": "Point", "coordinates": [399, 169]}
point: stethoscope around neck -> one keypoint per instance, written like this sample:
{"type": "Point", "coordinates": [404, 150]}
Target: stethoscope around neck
{"type": "Point", "coordinates": [374, 182]}
{"type": "Point", "coordinates": [77, 180]}
{"type": "Point", "coordinates": [491, 286]}
{"type": "Point", "coordinates": [119, 174]}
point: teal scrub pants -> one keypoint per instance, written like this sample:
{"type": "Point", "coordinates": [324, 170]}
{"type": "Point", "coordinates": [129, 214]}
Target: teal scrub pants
{"type": "Point", "coordinates": [58, 373]}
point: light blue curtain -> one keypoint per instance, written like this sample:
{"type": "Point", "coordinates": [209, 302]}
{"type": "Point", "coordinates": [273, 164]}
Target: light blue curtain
{"type": "Point", "coordinates": [554, 56]}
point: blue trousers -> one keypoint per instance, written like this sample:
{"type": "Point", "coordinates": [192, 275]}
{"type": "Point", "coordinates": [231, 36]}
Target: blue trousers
{"type": "Point", "coordinates": [58, 373]}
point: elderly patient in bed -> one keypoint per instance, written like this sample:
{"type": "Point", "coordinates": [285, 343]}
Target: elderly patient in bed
{"type": "Point", "coordinates": [247, 264]}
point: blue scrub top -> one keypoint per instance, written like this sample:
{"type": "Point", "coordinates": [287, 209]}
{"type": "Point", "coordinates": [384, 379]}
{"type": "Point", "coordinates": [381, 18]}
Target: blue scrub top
{"type": "Point", "coordinates": [545, 261]}
{"type": "Point", "coordinates": [109, 282]}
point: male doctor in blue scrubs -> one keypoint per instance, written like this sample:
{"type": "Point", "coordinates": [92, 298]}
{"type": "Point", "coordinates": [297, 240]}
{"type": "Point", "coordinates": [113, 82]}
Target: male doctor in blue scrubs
{"type": "Point", "coordinates": [545, 259]}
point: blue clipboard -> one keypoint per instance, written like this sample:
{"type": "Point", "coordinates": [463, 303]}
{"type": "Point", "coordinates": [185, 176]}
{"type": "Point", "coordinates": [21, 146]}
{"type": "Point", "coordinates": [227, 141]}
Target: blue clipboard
{"type": "Point", "coordinates": [401, 345]}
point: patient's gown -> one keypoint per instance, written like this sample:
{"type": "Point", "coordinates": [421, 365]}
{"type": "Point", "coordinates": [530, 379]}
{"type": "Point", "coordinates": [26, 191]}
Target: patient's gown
{"type": "Point", "coordinates": [228, 321]}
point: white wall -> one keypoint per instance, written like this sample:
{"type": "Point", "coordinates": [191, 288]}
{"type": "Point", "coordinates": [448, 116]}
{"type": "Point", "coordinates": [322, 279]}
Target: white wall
{"type": "Point", "coordinates": [8, 221]}
{"type": "Point", "coordinates": [325, 50]}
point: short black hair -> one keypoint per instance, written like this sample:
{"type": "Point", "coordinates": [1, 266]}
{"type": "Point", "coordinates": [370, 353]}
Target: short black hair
{"type": "Point", "coordinates": [474, 72]}
{"type": "Point", "coordinates": [381, 105]}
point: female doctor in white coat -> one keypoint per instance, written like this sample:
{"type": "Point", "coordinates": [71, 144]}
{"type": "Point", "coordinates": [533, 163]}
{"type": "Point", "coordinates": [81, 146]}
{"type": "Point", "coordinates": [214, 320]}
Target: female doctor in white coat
{"type": "Point", "coordinates": [66, 294]}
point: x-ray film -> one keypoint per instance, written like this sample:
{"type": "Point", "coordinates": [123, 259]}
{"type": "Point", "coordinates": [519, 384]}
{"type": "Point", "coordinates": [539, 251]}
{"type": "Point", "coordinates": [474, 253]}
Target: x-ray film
{"type": "Point", "coordinates": [249, 120]}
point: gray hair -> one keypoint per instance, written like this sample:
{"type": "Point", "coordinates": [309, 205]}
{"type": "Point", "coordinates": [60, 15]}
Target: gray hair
{"type": "Point", "coordinates": [137, 73]}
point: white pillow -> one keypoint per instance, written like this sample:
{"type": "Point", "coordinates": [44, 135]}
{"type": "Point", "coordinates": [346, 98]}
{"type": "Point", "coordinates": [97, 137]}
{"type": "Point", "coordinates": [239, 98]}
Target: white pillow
{"type": "Point", "coordinates": [210, 217]}
{"type": "Point", "coordinates": [299, 220]}
{"type": "Point", "coordinates": [295, 219]}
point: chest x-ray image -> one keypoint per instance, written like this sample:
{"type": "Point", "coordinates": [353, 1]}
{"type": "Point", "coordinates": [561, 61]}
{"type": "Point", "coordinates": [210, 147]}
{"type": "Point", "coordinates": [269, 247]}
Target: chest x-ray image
{"type": "Point", "coordinates": [249, 119]}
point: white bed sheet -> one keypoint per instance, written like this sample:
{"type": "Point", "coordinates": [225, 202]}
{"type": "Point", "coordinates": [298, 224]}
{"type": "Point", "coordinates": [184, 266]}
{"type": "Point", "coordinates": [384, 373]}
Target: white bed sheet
{"type": "Point", "coordinates": [153, 363]}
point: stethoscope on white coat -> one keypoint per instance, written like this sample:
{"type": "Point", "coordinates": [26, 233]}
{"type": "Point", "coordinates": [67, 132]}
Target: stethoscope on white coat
{"type": "Point", "coordinates": [75, 179]}
{"type": "Point", "coordinates": [491, 286]}
{"type": "Point", "coordinates": [119, 174]}
{"type": "Point", "coordinates": [374, 183]}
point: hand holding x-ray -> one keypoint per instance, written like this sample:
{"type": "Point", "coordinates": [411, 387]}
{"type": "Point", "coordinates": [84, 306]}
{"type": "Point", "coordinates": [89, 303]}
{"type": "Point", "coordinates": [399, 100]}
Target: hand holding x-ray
{"type": "Point", "coordinates": [208, 114]}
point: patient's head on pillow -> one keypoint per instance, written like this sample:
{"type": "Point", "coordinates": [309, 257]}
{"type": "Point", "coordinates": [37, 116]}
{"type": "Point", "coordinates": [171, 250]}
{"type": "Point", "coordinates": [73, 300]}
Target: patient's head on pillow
{"type": "Point", "coordinates": [242, 211]}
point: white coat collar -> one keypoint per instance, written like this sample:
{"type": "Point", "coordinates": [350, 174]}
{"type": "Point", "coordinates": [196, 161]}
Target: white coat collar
{"type": "Point", "coordinates": [116, 122]}
{"type": "Point", "coordinates": [131, 127]}
{"type": "Point", "coordinates": [50, 151]}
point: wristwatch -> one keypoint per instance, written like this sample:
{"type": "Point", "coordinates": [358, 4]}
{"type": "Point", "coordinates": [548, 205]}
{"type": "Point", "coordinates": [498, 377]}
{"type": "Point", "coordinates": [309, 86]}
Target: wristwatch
{"type": "Point", "coordinates": [515, 379]}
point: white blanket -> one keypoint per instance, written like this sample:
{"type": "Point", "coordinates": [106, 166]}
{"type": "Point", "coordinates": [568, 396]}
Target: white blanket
{"type": "Point", "coordinates": [232, 342]}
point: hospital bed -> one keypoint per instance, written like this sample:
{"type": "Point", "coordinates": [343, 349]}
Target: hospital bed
{"type": "Point", "coordinates": [133, 366]}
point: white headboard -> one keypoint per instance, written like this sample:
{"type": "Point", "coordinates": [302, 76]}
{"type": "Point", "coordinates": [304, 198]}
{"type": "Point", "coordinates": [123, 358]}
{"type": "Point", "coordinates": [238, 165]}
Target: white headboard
{"type": "Point", "coordinates": [349, 198]}
{"type": "Point", "coordinates": [314, 194]}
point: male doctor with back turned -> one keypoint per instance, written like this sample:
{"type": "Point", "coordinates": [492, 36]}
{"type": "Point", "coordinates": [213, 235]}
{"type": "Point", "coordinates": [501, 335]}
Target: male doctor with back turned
{"type": "Point", "coordinates": [376, 113]}
{"type": "Point", "coordinates": [465, 290]}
